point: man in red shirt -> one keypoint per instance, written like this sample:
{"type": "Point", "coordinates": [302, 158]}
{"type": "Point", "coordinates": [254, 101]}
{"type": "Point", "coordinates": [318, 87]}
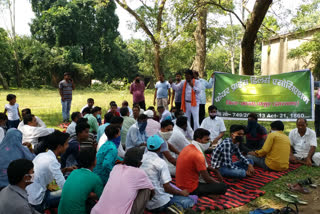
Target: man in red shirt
{"type": "Point", "coordinates": [191, 164]}
{"type": "Point", "coordinates": [137, 91]}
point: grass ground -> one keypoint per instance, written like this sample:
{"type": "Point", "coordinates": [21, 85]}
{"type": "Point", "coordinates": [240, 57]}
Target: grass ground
{"type": "Point", "coordinates": [46, 104]}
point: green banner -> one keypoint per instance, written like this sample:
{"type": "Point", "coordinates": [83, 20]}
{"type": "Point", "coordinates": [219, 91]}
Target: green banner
{"type": "Point", "coordinates": [286, 96]}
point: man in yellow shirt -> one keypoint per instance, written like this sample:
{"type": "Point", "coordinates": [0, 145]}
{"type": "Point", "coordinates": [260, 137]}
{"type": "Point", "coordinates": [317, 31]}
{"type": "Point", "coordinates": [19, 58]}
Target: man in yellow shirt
{"type": "Point", "coordinates": [275, 152]}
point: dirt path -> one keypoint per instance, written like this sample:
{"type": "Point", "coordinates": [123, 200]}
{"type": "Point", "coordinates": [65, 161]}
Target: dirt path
{"type": "Point", "coordinates": [313, 200]}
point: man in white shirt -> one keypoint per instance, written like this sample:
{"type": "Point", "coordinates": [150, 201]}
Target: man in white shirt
{"type": "Point", "coordinates": [164, 114]}
{"type": "Point", "coordinates": [158, 172]}
{"type": "Point", "coordinates": [30, 131]}
{"type": "Point", "coordinates": [190, 98]}
{"type": "Point", "coordinates": [75, 116]}
{"type": "Point", "coordinates": [3, 122]}
{"type": "Point", "coordinates": [26, 111]}
{"type": "Point", "coordinates": [303, 142]}
{"type": "Point", "coordinates": [178, 138]}
{"type": "Point", "coordinates": [152, 126]}
{"type": "Point", "coordinates": [46, 169]}
{"type": "Point", "coordinates": [214, 125]}
{"type": "Point", "coordinates": [90, 104]}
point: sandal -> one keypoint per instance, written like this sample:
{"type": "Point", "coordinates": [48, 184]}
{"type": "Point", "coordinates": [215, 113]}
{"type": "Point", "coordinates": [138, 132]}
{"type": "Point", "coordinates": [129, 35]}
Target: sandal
{"type": "Point", "coordinates": [298, 188]}
{"type": "Point", "coordinates": [290, 198]}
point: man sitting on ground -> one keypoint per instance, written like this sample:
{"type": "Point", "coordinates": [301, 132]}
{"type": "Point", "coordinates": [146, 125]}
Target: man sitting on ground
{"type": "Point", "coordinates": [303, 144]}
{"type": "Point", "coordinates": [155, 116]}
{"type": "Point", "coordinates": [164, 114]}
{"type": "Point", "coordinates": [107, 118]}
{"type": "Point", "coordinates": [14, 198]}
{"type": "Point", "coordinates": [178, 138]}
{"type": "Point", "coordinates": [214, 125]}
{"type": "Point", "coordinates": [126, 104]}
{"type": "Point", "coordinates": [90, 105]}
{"type": "Point", "coordinates": [31, 132]}
{"type": "Point", "coordinates": [114, 109]}
{"type": "Point", "coordinates": [136, 112]}
{"type": "Point", "coordinates": [256, 134]}
{"type": "Point", "coordinates": [191, 163]}
{"type": "Point", "coordinates": [222, 156]}
{"type": "Point", "coordinates": [92, 118]}
{"type": "Point", "coordinates": [275, 152]}
{"type": "Point", "coordinates": [158, 172]}
{"type": "Point", "coordinates": [128, 189]}
{"type": "Point", "coordinates": [152, 126]}
{"type": "Point", "coordinates": [3, 122]}
{"type": "Point", "coordinates": [75, 116]}
{"type": "Point", "coordinates": [26, 111]}
{"type": "Point", "coordinates": [127, 123]}
{"type": "Point", "coordinates": [137, 135]}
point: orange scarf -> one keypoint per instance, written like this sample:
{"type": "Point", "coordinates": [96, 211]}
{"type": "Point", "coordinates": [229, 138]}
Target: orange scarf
{"type": "Point", "coordinates": [193, 96]}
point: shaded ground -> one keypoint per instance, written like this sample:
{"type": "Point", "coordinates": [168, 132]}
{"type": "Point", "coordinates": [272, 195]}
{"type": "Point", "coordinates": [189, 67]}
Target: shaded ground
{"type": "Point", "coordinates": [313, 200]}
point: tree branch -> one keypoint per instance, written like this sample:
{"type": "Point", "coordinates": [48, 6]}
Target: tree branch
{"type": "Point", "coordinates": [225, 9]}
{"type": "Point", "coordinates": [141, 22]}
{"type": "Point", "coordinates": [159, 17]}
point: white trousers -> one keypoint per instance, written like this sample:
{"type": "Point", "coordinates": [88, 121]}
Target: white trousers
{"type": "Point", "coordinates": [194, 110]}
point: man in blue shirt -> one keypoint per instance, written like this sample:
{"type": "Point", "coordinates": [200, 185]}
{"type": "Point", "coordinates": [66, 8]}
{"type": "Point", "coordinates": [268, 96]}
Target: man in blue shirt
{"type": "Point", "coordinates": [162, 92]}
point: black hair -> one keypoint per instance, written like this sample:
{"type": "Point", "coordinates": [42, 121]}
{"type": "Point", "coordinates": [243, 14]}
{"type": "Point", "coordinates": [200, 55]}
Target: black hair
{"type": "Point", "coordinates": [142, 117]}
{"type": "Point", "coordinates": [10, 97]}
{"type": "Point", "coordinates": [113, 105]}
{"type": "Point", "coordinates": [178, 113]}
{"type": "Point", "coordinates": [178, 73]}
{"type": "Point", "coordinates": [277, 125]}
{"type": "Point", "coordinates": [137, 75]}
{"type": "Point", "coordinates": [116, 120]}
{"type": "Point", "coordinates": [75, 115]}
{"type": "Point", "coordinates": [253, 115]}
{"type": "Point", "coordinates": [160, 107]}
{"type": "Point", "coordinates": [80, 127]}
{"type": "Point", "coordinates": [86, 157]}
{"type": "Point", "coordinates": [136, 106]}
{"type": "Point", "coordinates": [125, 103]}
{"type": "Point", "coordinates": [111, 131]}
{"type": "Point", "coordinates": [26, 111]}
{"type": "Point", "coordinates": [27, 118]}
{"type": "Point", "coordinates": [55, 139]}
{"type": "Point", "coordinates": [196, 73]}
{"type": "Point", "coordinates": [107, 117]}
{"type": "Point", "coordinates": [188, 72]}
{"type": "Point", "coordinates": [200, 133]}
{"type": "Point", "coordinates": [172, 108]}
{"type": "Point", "coordinates": [90, 100]}
{"type": "Point", "coordinates": [212, 107]}
{"type": "Point", "coordinates": [3, 116]}
{"type": "Point", "coordinates": [301, 118]}
{"type": "Point", "coordinates": [112, 102]}
{"type": "Point", "coordinates": [235, 128]}
{"type": "Point", "coordinates": [82, 120]}
{"type": "Point", "coordinates": [17, 170]}
{"type": "Point", "coordinates": [86, 110]}
{"type": "Point", "coordinates": [151, 108]}
{"type": "Point", "coordinates": [95, 109]}
{"type": "Point", "coordinates": [133, 156]}
{"type": "Point", "coordinates": [66, 74]}
{"type": "Point", "coordinates": [182, 121]}
{"type": "Point", "coordinates": [166, 123]}
{"type": "Point", "coordinates": [124, 111]}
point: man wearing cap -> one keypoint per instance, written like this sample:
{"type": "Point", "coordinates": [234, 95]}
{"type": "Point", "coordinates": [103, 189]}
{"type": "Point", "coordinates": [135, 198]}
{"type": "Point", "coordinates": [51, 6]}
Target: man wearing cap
{"type": "Point", "coordinates": [158, 172]}
{"type": "Point", "coordinates": [65, 89]}
{"type": "Point", "coordinates": [152, 126]}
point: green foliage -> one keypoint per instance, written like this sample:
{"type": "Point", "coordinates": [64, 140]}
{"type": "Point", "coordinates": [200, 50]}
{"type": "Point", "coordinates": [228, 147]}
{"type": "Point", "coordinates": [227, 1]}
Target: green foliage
{"type": "Point", "coordinates": [308, 15]}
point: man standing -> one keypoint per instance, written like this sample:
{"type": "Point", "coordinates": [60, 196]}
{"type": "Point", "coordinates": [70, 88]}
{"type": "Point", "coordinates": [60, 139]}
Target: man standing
{"type": "Point", "coordinates": [162, 93]}
{"type": "Point", "coordinates": [137, 91]}
{"type": "Point", "coordinates": [317, 112]}
{"type": "Point", "coordinates": [176, 95]}
{"type": "Point", "coordinates": [203, 100]}
{"type": "Point", "coordinates": [65, 89]}
{"type": "Point", "coordinates": [303, 142]}
{"type": "Point", "coordinates": [190, 97]}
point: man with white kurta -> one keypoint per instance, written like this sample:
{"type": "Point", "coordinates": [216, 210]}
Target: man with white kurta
{"type": "Point", "coordinates": [190, 98]}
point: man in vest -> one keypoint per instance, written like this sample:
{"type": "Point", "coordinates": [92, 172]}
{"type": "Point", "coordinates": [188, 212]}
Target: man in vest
{"type": "Point", "coordinates": [190, 98]}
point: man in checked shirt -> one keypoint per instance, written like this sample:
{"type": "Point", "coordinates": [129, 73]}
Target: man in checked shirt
{"type": "Point", "coordinates": [222, 156]}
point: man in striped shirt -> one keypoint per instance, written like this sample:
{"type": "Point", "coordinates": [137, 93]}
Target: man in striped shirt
{"type": "Point", "coordinates": [65, 89]}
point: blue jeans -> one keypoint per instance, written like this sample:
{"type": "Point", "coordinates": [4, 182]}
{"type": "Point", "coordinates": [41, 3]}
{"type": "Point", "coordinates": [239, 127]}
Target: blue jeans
{"type": "Point", "coordinates": [259, 162]}
{"type": "Point", "coordinates": [13, 123]}
{"type": "Point", "coordinates": [66, 105]}
{"type": "Point", "coordinates": [239, 172]}
{"type": "Point", "coordinates": [179, 201]}
{"type": "Point", "coordinates": [50, 200]}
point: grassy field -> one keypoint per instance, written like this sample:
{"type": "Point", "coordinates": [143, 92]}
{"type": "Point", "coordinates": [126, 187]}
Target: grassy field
{"type": "Point", "coordinates": [46, 104]}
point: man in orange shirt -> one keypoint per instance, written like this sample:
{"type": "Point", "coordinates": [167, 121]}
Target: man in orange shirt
{"type": "Point", "coordinates": [191, 164]}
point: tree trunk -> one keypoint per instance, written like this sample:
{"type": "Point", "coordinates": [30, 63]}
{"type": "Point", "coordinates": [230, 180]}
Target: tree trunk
{"type": "Point", "coordinates": [232, 45]}
{"type": "Point", "coordinates": [250, 35]}
{"type": "Point", "coordinates": [4, 82]}
{"type": "Point", "coordinates": [200, 36]}
{"type": "Point", "coordinates": [157, 59]}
